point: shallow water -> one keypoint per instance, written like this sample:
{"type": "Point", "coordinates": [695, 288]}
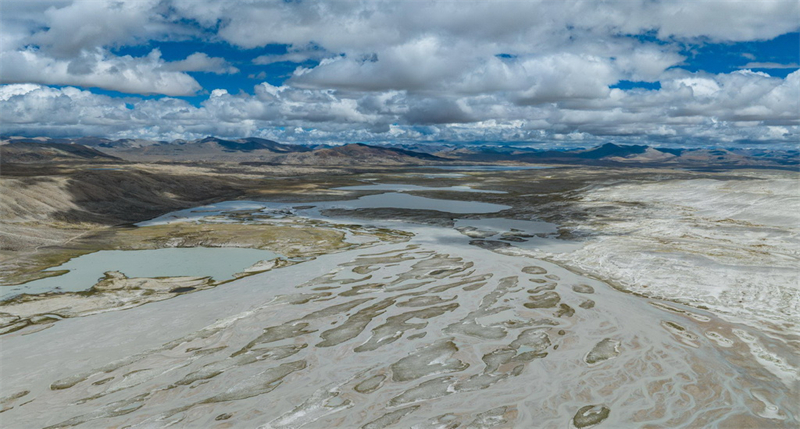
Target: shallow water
{"type": "Point", "coordinates": [196, 213]}
{"type": "Point", "coordinates": [439, 175]}
{"type": "Point", "coordinates": [500, 225]}
{"type": "Point", "coordinates": [436, 332]}
{"type": "Point", "coordinates": [488, 167]}
{"type": "Point", "coordinates": [525, 234]}
{"type": "Point", "coordinates": [398, 187]}
{"type": "Point", "coordinates": [417, 334]}
{"type": "Point", "coordinates": [397, 200]}
{"type": "Point", "coordinates": [220, 263]}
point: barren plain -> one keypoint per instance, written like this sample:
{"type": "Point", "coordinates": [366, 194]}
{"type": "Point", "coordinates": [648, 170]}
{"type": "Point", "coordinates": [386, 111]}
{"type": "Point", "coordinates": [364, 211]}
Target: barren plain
{"type": "Point", "coordinates": [405, 297]}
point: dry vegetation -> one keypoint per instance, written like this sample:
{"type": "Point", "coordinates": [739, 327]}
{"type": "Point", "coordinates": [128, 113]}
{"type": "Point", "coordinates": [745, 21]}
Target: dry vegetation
{"type": "Point", "coordinates": [51, 212]}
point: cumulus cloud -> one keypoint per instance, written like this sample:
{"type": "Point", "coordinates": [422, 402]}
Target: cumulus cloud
{"type": "Point", "coordinates": [388, 71]}
{"type": "Point", "coordinates": [258, 76]}
{"type": "Point", "coordinates": [757, 65]}
{"type": "Point", "coordinates": [138, 75]}
{"type": "Point", "coordinates": [65, 111]}
{"type": "Point", "coordinates": [296, 54]}
{"type": "Point", "coordinates": [67, 43]}
{"type": "Point", "coordinates": [344, 25]}
{"type": "Point", "coordinates": [201, 62]}
{"type": "Point", "coordinates": [739, 107]}
{"type": "Point", "coordinates": [416, 65]}
{"type": "Point", "coordinates": [65, 28]}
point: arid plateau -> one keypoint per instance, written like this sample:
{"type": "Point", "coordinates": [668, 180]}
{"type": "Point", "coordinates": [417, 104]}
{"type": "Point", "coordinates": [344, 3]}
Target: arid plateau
{"type": "Point", "coordinates": [398, 296]}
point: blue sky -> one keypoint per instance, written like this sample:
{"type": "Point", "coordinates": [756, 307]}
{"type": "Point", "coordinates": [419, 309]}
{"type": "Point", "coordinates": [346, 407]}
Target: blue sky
{"type": "Point", "coordinates": [537, 73]}
{"type": "Point", "coordinates": [760, 56]}
{"type": "Point", "coordinates": [702, 56]}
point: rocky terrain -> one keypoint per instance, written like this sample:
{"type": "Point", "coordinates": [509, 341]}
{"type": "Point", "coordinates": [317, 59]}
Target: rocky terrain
{"type": "Point", "coordinates": [612, 155]}
{"type": "Point", "coordinates": [255, 151]}
{"type": "Point", "coordinates": [36, 152]}
{"type": "Point", "coordinates": [252, 151]}
{"type": "Point", "coordinates": [52, 211]}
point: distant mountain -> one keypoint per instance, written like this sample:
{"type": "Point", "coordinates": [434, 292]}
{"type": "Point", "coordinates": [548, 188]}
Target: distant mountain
{"type": "Point", "coordinates": [189, 150]}
{"type": "Point", "coordinates": [611, 154]}
{"type": "Point", "coordinates": [363, 150]}
{"type": "Point", "coordinates": [122, 143]}
{"type": "Point", "coordinates": [209, 149]}
{"type": "Point", "coordinates": [272, 145]}
{"type": "Point", "coordinates": [35, 151]}
{"type": "Point", "coordinates": [431, 148]}
{"type": "Point", "coordinates": [95, 142]}
{"type": "Point", "coordinates": [611, 150]}
{"type": "Point", "coordinates": [249, 144]}
{"type": "Point", "coordinates": [254, 150]}
{"type": "Point", "coordinates": [358, 154]}
{"type": "Point", "coordinates": [251, 150]}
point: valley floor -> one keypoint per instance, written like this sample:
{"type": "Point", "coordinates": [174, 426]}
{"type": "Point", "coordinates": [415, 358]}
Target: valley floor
{"type": "Point", "coordinates": [566, 297]}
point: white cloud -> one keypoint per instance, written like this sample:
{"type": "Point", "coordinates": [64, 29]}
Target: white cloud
{"type": "Point", "coordinates": [295, 55]}
{"type": "Point", "coordinates": [352, 25]}
{"type": "Point", "coordinates": [720, 21]}
{"type": "Point", "coordinates": [739, 107]}
{"type": "Point", "coordinates": [416, 65]}
{"type": "Point", "coordinates": [757, 65]}
{"type": "Point", "coordinates": [149, 74]}
{"type": "Point", "coordinates": [52, 111]}
{"type": "Point", "coordinates": [258, 76]}
{"type": "Point", "coordinates": [67, 43]}
{"type": "Point", "coordinates": [700, 86]}
{"type": "Point", "coordinates": [137, 75]}
{"type": "Point", "coordinates": [400, 70]}
{"type": "Point", "coordinates": [66, 28]}
{"type": "Point", "coordinates": [200, 62]}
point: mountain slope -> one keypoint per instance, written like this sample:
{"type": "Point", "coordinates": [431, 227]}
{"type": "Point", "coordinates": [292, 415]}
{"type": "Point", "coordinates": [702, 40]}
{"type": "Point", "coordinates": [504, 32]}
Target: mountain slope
{"type": "Point", "coordinates": [357, 154]}
{"type": "Point", "coordinates": [611, 154]}
{"type": "Point", "coordinates": [30, 151]}
{"type": "Point", "coordinates": [611, 150]}
{"type": "Point", "coordinates": [271, 145]}
{"type": "Point", "coordinates": [209, 149]}
{"type": "Point", "coordinates": [249, 144]}
{"type": "Point", "coordinates": [254, 150]}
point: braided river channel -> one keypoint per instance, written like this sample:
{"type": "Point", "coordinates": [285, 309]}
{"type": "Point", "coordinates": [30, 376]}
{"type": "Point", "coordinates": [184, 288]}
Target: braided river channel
{"type": "Point", "coordinates": [457, 326]}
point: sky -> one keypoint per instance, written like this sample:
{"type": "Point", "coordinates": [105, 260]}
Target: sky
{"type": "Point", "coordinates": [538, 73]}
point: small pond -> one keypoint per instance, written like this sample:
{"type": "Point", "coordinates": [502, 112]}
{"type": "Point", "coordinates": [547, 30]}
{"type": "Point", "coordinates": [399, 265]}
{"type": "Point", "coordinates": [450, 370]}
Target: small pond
{"type": "Point", "coordinates": [399, 200]}
{"type": "Point", "coordinates": [395, 200]}
{"type": "Point", "coordinates": [488, 167]}
{"type": "Point", "coordinates": [397, 187]}
{"type": "Point", "coordinates": [220, 263]}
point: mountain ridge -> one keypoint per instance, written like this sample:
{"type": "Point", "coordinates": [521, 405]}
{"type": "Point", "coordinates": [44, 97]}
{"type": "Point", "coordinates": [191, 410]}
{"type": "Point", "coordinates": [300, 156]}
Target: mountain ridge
{"type": "Point", "coordinates": [255, 150]}
{"type": "Point", "coordinates": [28, 152]}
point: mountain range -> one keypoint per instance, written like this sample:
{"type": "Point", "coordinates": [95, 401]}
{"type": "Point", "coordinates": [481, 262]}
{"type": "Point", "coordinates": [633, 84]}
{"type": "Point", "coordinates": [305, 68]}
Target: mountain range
{"type": "Point", "coordinates": [610, 154]}
{"type": "Point", "coordinates": [258, 151]}
{"type": "Point", "coordinates": [36, 151]}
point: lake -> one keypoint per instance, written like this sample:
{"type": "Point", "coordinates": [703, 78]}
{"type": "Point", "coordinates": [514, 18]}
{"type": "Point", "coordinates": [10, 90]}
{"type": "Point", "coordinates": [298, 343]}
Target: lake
{"type": "Point", "coordinates": [219, 263]}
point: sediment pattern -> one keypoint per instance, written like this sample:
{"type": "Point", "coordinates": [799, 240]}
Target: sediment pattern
{"type": "Point", "coordinates": [404, 335]}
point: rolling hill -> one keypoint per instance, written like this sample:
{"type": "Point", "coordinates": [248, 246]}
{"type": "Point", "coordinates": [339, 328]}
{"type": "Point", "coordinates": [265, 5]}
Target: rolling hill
{"type": "Point", "coordinates": [31, 151]}
{"type": "Point", "coordinates": [255, 151]}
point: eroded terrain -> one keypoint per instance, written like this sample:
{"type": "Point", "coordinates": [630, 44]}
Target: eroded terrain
{"type": "Point", "coordinates": [394, 316]}
{"type": "Point", "coordinates": [401, 332]}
